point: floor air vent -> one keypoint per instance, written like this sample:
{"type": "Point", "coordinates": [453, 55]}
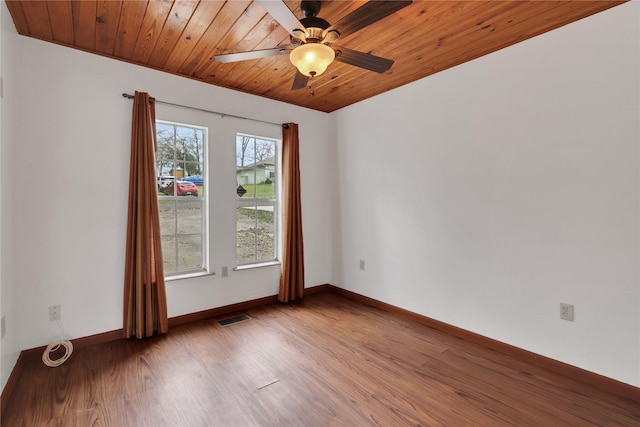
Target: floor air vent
{"type": "Point", "coordinates": [235, 319]}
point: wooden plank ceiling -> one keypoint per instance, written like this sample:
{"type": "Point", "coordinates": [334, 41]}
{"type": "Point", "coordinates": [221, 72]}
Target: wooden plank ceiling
{"type": "Point", "coordinates": [182, 36]}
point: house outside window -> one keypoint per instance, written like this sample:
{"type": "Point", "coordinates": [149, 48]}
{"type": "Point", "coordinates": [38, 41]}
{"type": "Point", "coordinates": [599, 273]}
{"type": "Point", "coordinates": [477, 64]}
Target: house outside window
{"type": "Point", "coordinates": [182, 197]}
{"type": "Point", "coordinates": [257, 199]}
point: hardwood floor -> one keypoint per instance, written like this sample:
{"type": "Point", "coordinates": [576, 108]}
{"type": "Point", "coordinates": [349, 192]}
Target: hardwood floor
{"type": "Point", "coordinates": [328, 361]}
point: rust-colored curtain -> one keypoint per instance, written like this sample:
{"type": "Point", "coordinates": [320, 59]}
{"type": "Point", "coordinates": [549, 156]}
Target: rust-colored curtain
{"type": "Point", "coordinates": [292, 277]}
{"type": "Point", "coordinates": [145, 301]}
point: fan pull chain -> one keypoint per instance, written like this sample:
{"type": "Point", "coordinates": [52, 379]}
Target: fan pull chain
{"type": "Point", "coordinates": [310, 87]}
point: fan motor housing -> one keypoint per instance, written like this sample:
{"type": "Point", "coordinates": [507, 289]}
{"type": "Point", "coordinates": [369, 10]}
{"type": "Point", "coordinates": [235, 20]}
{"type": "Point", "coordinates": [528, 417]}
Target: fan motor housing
{"type": "Point", "coordinates": [315, 32]}
{"type": "Point", "coordinates": [315, 22]}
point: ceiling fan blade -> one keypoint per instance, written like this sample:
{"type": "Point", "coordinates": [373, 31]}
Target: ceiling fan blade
{"type": "Point", "coordinates": [299, 81]}
{"type": "Point", "coordinates": [252, 54]}
{"type": "Point", "coordinates": [367, 14]}
{"type": "Point", "coordinates": [281, 13]}
{"type": "Point", "coordinates": [363, 60]}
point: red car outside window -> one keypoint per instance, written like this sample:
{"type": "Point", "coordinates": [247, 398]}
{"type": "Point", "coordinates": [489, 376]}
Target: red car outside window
{"type": "Point", "coordinates": [184, 188]}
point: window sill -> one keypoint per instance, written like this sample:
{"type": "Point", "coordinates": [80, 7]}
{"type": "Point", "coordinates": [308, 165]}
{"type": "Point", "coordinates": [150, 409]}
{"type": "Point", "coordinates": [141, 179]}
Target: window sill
{"type": "Point", "coordinates": [256, 265]}
{"type": "Point", "coordinates": [188, 275]}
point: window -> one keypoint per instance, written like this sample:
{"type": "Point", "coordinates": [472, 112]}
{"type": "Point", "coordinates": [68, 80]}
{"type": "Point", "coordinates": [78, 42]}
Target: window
{"type": "Point", "coordinates": [257, 199]}
{"type": "Point", "coordinates": [182, 196]}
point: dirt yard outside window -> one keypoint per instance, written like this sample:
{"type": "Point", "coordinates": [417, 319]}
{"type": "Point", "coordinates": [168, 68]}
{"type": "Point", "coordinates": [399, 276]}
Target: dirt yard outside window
{"type": "Point", "coordinates": [254, 226]}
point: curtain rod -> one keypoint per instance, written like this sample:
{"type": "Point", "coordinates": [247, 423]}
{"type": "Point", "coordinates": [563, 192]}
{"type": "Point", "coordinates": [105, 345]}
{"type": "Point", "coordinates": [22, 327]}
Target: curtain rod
{"type": "Point", "coordinates": [126, 95]}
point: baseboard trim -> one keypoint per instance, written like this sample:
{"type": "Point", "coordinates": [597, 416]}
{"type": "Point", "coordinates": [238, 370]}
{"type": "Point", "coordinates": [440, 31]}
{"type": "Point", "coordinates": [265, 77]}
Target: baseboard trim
{"type": "Point", "coordinates": [606, 384]}
{"type": "Point", "coordinates": [318, 289]}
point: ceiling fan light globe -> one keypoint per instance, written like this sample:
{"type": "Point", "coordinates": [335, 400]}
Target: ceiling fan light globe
{"type": "Point", "coordinates": [312, 59]}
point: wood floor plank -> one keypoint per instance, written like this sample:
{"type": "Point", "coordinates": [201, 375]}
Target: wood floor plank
{"type": "Point", "coordinates": [327, 361]}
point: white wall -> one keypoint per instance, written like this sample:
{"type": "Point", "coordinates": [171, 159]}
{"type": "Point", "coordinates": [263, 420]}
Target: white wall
{"type": "Point", "coordinates": [71, 158]}
{"type": "Point", "coordinates": [9, 349]}
{"type": "Point", "coordinates": [486, 195]}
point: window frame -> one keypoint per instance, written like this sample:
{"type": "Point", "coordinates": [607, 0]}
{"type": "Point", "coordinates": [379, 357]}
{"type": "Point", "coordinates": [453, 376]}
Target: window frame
{"type": "Point", "coordinates": [203, 198]}
{"type": "Point", "coordinates": [275, 201]}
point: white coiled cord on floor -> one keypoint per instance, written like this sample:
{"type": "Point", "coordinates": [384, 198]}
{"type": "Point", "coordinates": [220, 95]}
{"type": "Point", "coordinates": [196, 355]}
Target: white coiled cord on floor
{"type": "Point", "coordinates": [54, 346]}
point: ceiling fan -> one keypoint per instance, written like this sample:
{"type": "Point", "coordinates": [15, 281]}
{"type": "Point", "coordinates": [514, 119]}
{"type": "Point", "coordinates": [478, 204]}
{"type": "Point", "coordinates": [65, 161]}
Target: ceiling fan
{"type": "Point", "coordinates": [312, 36]}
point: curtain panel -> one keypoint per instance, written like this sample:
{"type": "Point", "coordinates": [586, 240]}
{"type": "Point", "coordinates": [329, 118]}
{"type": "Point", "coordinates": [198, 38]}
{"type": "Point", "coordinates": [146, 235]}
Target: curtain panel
{"type": "Point", "coordinates": [292, 277]}
{"type": "Point", "coordinates": [145, 301]}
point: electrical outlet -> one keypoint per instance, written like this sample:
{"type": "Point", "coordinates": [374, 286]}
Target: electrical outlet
{"type": "Point", "coordinates": [4, 327]}
{"type": "Point", "coordinates": [361, 264]}
{"type": "Point", "coordinates": [225, 271]}
{"type": "Point", "coordinates": [54, 312]}
{"type": "Point", "coordinates": [566, 312]}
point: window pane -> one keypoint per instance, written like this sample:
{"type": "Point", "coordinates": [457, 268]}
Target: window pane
{"type": "Point", "coordinates": [250, 189]}
{"type": "Point", "coordinates": [267, 189]}
{"type": "Point", "coordinates": [189, 252]}
{"type": "Point", "coordinates": [165, 140]}
{"type": "Point", "coordinates": [166, 177]}
{"type": "Point", "coordinates": [245, 151]}
{"type": "Point", "coordinates": [165, 154]}
{"type": "Point", "coordinates": [169, 254]}
{"type": "Point", "coordinates": [189, 217]}
{"type": "Point", "coordinates": [265, 232]}
{"type": "Point", "coordinates": [167, 209]}
{"type": "Point", "coordinates": [246, 247]}
{"type": "Point", "coordinates": [246, 229]}
{"type": "Point", "coordinates": [246, 216]}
